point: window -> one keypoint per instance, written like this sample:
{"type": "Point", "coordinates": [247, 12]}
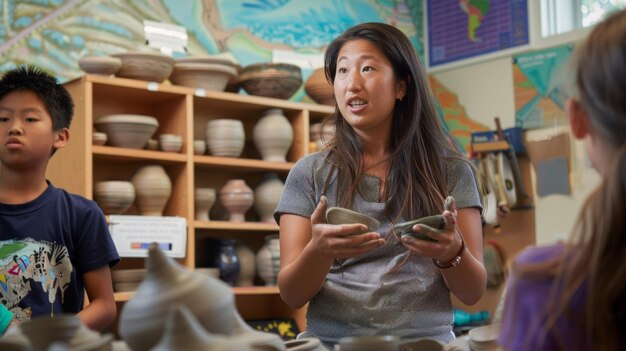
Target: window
{"type": "Point", "coordinates": [562, 16]}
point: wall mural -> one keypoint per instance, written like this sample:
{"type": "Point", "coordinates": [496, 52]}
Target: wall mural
{"type": "Point", "coordinates": [54, 34]}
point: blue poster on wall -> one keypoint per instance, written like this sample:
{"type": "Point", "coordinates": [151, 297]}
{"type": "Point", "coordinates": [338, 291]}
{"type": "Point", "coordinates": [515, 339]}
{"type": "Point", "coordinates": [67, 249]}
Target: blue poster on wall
{"type": "Point", "coordinates": [461, 29]}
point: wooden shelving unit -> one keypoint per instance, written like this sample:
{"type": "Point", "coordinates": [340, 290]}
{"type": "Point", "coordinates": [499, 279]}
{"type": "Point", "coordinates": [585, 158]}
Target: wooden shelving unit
{"type": "Point", "coordinates": [182, 111]}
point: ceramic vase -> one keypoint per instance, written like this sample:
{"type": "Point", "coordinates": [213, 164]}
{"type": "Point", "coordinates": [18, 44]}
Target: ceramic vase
{"type": "Point", "coordinates": [227, 261]}
{"type": "Point", "coordinates": [153, 188]}
{"type": "Point", "coordinates": [236, 197]}
{"type": "Point", "coordinates": [273, 135]}
{"type": "Point", "coordinates": [225, 137]}
{"type": "Point", "coordinates": [267, 195]}
{"type": "Point", "coordinates": [183, 332]}
{"type": "Point", "coordinates": [142, 320]}
{"type": "Point", "coordinates": [204, 198]}
{"type": "Point", "coordinates": [268, 260]}
{"type": "Point", "coordinates": [247, 265]}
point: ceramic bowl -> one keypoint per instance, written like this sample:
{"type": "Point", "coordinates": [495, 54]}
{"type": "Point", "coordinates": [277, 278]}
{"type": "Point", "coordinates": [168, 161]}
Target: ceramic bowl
{"type": "Point", "coordinates": [152, 144]}
{"type": "Point", "coordinates": [114, 196]}
{"type": "Point", "coordinates": [170, 142]}
{"type": "Point", "coordinates": [208, 76]}
{"type": "Point", "coordinates": [103, 65]}
{"type": "Point", "coordinates": [199, 147]}
{"type": "Point", "coordinates": [436, 221]}
{"type": "Point", "coordinates": [99, 138]}
{"type": "Point", "coordinates": [275, 80]}
{"type": "Point", "coordinates": [318, 88]}
{"type": "Point", "coordinates": [131, 131]}
{"type": "Point", "coordinates": [148, 66]}
{"type": "Point", "coordinates": [340, 215]}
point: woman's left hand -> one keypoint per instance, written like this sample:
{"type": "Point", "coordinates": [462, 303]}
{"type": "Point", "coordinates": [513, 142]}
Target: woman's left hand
{"type": "Point", "coordinates": [447, 240]}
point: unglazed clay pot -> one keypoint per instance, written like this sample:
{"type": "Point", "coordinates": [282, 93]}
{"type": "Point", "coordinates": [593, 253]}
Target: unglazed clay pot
{"type": "Point", "coordinates": [319, 89]}
{"type": "Point", "coordinates": [267, 195]}
{"type": "Point", "coordinates": [268, 260]}
{"type": "Point", "coordinates": [247, 265]}
{"type": "Point", "coordinates": [225, 137]}
{"type": "Point", "coordinates": [236, 197]}
{"type": "Point", "coordinates": [153, 188]}
{"type": "Point", "coordinates": [273, 135]}
{"type": "Point", "coordinates": [204, 198]}
{"type": "Point", "coordinates": [142, 320]}
{"type": "Point", "coordinates": [183, 332]}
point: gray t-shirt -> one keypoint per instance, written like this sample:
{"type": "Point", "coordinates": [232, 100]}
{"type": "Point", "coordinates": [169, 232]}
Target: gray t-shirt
{"type": "Point", "coordinates": [380, 292]}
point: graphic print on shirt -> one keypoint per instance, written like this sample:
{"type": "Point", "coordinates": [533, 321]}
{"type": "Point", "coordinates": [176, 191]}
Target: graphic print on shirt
{"type": "Point", "coordinates": [25, 262]}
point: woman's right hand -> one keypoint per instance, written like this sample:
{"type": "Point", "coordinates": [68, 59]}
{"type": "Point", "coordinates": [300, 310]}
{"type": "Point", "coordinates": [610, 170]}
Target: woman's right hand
{"type": "Point", "coordinates": [339, 241]}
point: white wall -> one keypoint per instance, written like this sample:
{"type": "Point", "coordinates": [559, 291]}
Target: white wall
{"type": "Point", "coordinates": [486, 91]}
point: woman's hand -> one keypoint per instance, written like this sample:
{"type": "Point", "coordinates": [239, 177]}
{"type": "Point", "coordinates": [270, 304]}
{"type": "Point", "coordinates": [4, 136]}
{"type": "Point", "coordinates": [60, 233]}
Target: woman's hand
{"type": "Point", "coordinates": [447, 240]}
{"type": "Point", "coordinates": [339, 241]}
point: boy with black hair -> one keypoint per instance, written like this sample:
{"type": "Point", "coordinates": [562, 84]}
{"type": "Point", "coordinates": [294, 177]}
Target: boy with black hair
{"type": "Point", "coordinates": [54, 246]}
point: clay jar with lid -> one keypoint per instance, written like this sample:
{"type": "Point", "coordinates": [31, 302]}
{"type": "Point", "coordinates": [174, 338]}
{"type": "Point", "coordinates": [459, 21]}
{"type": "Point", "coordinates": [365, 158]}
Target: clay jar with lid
{"type": "Point", "coordinates": [236, 197]}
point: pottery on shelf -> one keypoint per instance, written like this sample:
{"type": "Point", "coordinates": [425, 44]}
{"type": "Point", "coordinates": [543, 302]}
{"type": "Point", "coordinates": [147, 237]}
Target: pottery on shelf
{"type": "Point", "coordinates": [273, 135]}
{"type": "Point", "coordinates": [225, 137]}
{"type": "Point", "coordinates": [42, 331]}
{"type": "Point", "coordinates": [199, 147]}
{"type": "Point", "coordinates": [268, 260]}
{"type": "Point", "coordinates": [183, 332]}
{"type": "Point", "coordinates": [236, 197]}
{"type": "Point", "coordinates": [99, 138]}
{"type": "Point", "coordinates": [276, 80]}
{"type": "Point", "coordinates": [204, 198]}
{"type": "Point", "coordinates": [148, 66]}
{"type": "Point", "coordinates": [322, 136]}
{"type": "Point", "coordinates": [247, 265]}
{"type": "Point", "coordinates": [168, 283]}
{"type": "Point", "coordinates": [266, 196]}
{"type": "Point", "coordinates": [170, 142]}
{"type": "Point", "coordinates": [208, 76]}
{"type": "Point", "coordinates": [125, 130]}
{"type": "Point", "coordinates": [227, 261]}
{"type": "Point", "coordinates": [153, 188]}
{"type": "Point", "coordinates": [319, 89]}
{"type": "Point", "coordinates": [114, 196]}
{"type": "Point", "coordinates": [102, 65]}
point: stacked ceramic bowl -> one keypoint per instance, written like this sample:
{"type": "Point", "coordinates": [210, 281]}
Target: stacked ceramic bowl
{"type": "Point", "coordinates": [148, 66]}
{"type": "Point", "coordinates": [127, 279]}
{"type": "Point", "coordinates": [340, 215]}
{"type": "Point", "coordinates": [170, 142]}
{"type": "Point", "coordinates": [225, 137]}
{"type": "Point", "coordinates": [99, 138]}
{"type": "Point", "coordinates": [114, 196]}
{"type": "Point", "coordinates": [130, 131]}
{"type": "Point", "coordinates": [103, 65]}
{"type": "Point", "coordinates": [276, 80]}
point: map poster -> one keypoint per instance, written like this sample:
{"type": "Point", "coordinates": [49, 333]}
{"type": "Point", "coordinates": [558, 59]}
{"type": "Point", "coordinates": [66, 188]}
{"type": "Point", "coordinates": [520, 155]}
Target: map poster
{"type": "Point", "coordinates": [461, 29]}
{"type": "Point", "coordinates": [539, 87]}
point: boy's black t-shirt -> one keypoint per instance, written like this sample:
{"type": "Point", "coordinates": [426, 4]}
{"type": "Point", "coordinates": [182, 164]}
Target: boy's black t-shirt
{"type": "Point", "coordinates": [46, 246]}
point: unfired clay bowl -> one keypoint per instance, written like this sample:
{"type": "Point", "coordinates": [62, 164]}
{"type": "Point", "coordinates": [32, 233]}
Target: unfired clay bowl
{"type": "Point", "coordinates": [340, 215]}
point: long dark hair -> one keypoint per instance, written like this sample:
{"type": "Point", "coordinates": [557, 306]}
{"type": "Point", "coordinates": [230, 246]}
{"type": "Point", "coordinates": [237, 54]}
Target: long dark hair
{"type": "Point", "coordinates": [594, 260]}
{"type": "Point", "coordinates": [416, 184]}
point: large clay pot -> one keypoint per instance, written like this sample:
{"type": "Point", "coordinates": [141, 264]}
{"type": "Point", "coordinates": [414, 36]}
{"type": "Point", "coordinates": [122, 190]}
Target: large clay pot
{"type": "Point", "coordinates": [268, 260]}
{"type": "Point", "coordinates": [153, 188]}
{"type": "Point", "coordinates": [247, 265]}
{"type": "Point", "coordinates": [273, 135]}
{"type": "Point", "coordinates": [267, 195]}
{"type": "Point", "coordinates": [236, 197]}
{"type": "Point", "coordinates": [142, 320]}
{"type": "Point", "coordinates": [318, 88]}
{"type": "Point", "coordinates": [204, 198]}
{"type": "Point", "coordinates": [183, 332]}
{"type": "Point", "coordinates": [42, 330]}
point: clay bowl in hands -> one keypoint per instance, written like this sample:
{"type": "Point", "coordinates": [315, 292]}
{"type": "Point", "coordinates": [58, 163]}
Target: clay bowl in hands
{"type": "Point", "coordinates": [340, 215]}
{"type": "Point", "coordinates": [436, 222]}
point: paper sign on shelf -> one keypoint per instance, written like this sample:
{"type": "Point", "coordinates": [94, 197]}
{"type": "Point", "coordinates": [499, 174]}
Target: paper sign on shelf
{"type": "Point", "coordinates": [133, 235]}
{"type": "Point", "coordinates": [166, 37]}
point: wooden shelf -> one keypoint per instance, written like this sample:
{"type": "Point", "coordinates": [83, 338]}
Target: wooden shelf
{"type": "Point", "coordinates": [491, 146]}
{"type": "Point", "coordinates": [236, 226]}
{"type": "Point", "coordinates": [238, 291]}
{"type": "Point", "coordinates": [123, 154]}
{"type": "Point", "coordinates": [240, 164]}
